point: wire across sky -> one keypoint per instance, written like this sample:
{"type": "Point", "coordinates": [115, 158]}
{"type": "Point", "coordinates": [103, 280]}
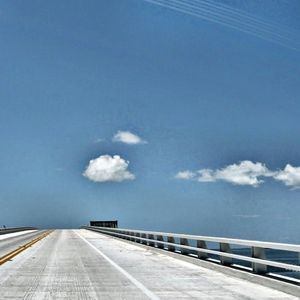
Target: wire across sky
{"type": "Point", "coordinates": [236, 19]}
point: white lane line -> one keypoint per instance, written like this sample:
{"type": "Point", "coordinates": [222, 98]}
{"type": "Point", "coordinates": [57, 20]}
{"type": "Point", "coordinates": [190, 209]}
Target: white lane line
{"type": "Point", "coordinates": [121, 270]}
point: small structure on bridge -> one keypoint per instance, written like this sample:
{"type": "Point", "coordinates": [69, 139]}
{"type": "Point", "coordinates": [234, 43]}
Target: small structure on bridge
{"type": "Point", "coordinates": [111, 224]}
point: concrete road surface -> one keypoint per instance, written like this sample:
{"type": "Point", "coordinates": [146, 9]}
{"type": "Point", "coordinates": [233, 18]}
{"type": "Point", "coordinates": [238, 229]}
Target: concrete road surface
{"type": "Point", "coordinates": [11, 241]}
{"type": "Point", "coordinates": [81, 264]}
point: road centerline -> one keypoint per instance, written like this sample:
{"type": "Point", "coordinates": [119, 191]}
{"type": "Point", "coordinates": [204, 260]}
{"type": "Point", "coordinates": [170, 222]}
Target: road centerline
{"type": "Point", "coordinates": [15, 252]}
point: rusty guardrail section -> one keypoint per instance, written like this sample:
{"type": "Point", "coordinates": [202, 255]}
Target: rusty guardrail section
{"type": "Point", "coordinates": [20, 249]}
{"type": "Point", "coordinates": [15, 229]}
{"type": "Point", "coordinates": [198, 246]}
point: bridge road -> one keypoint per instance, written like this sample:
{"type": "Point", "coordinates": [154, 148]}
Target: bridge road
{"type": "Point", "coordinates": [81, 264]}
{"type": "Point", "coordinates": [11, 241]}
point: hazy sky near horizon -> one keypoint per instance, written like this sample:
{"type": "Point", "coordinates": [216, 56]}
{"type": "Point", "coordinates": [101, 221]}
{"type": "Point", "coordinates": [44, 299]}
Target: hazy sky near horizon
{"type": "Point", "coordinates": [176, 118]}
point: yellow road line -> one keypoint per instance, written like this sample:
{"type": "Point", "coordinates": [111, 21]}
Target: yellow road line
{"type": "Point", "coordinates": [15, 252]}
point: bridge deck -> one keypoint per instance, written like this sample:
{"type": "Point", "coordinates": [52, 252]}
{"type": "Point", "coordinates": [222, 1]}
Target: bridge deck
{"type": "Point", "coordinates": [80, 264]}
{"type": "Point", "coordinates": [11, 241]}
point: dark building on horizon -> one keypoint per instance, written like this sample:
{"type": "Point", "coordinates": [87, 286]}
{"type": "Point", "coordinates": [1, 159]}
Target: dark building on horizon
{"type": "Point", "coordinates": [111, 224]}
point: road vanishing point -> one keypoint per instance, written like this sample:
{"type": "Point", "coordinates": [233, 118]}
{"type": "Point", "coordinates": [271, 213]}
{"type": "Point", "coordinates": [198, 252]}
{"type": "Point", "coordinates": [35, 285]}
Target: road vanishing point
{"type": "Point", "coordinates": [83, 264]}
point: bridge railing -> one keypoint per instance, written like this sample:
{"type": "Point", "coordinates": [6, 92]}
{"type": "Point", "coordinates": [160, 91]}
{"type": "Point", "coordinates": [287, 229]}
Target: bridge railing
{"type": "Point", "coordinates": [206, 247]}
{"type": "Point", "coordinates": [15, 229]}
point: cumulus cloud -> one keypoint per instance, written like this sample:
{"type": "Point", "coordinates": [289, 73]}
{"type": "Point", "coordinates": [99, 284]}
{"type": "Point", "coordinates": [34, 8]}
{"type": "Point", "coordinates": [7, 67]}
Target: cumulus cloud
{"type": "Point", "coordinates": [244, 173]}
{"type": "Point", "coordinates": [290, 176]}
{"type": "Point", "coordinates": [185, 175]}
{"type": "Point", "coordinates": [108, 168]}
{"type": "Point", "coordinates": [128, 137]}
{"type": "Point", "coordinates": [206, 175]}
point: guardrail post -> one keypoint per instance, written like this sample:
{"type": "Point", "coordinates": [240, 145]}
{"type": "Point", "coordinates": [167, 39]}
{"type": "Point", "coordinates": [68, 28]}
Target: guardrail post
{"type": "Point", "coordinates": [159, 238]}
{"type": "Point", "coordinates": [151, 237]}
{"type": "Point", "coordinates": [224, 247]}
{"type": "Point", "coordinates": [184, 242]}
{"type": "Point", "coordinates": [202, 255]}
{"type": "Point", "coordinates": [144, 236]}
{"type": "Point", "coordinates": [133, 236]}
{"type": "Point", "coordinates": [258, 252]}
{"type": "Point", "coordinates": [122, 232]}
{"type": "Point", "coordinates": [127, 237]}
{"type": "Point", "coordinates": [137, 240]}
{"type": "Point", "coordinates": [119, 234]}
{"type": "Point", "coordinates": [171, 240]}
{"type": "Point", "coordinates": [123, 237]}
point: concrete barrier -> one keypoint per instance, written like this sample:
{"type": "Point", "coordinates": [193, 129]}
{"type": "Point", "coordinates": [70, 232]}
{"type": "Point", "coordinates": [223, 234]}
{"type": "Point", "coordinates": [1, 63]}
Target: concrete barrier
{"type": "Point", "coordinates": [15, 229]}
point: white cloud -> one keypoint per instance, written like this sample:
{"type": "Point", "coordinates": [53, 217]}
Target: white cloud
{"type": "Point", "coordinates": [99, 140]}
{"type": "Point", "coordinates": [290, 176]}
{"type": "Point", "coordinates": [206, 175]}
{"type": "Point", "coordinates": [128, 137]}
{"type": "Point", "coordinates": [244, 173]}
{"type": "Point", "coordinates": [185, 175]}
{"type": "Point", "coordinates": [247, 216]}
{"type": "Point", "coordinates": [108, 168]}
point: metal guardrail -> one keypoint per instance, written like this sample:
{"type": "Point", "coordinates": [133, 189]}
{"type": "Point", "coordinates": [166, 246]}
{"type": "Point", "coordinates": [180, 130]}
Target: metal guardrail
{"type": "Point", "coordinates": [15, 229]}
{"type": "Point", "coordinates": [198, 245]}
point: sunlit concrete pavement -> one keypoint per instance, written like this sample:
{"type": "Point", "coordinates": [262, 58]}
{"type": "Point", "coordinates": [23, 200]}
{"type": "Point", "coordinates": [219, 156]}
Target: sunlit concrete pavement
{"type": "Point", "coordinates": [11, 241]}
{"type": "Point", "coordinates": [80, 264]}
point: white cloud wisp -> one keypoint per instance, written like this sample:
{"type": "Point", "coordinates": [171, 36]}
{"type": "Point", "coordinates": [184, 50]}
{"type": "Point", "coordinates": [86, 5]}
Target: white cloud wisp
{"type": "Point", "coordinates": [128, 137]}
{"type": "Point", "coordinates": [244, 173]}
{"type": "Point", "coordinates": [108, 168]}
{"type": "Point", "coordinates": [185, 175]}
{"type": "Point", "coordinates": [290, 176]}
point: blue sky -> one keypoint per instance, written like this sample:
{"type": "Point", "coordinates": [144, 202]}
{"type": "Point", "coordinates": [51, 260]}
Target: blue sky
{"type": "Point", "coordinates": [203, 87]}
